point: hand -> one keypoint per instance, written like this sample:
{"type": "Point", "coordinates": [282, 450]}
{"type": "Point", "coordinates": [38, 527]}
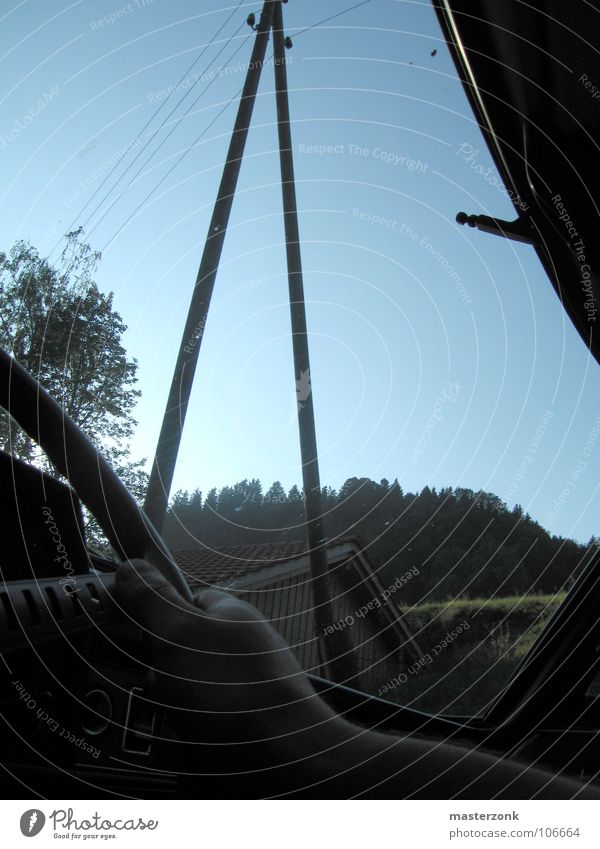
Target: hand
{"type": "Point", "coordinates": [249, 721]}
{"type": "Point", "coordinates": [224, 674]}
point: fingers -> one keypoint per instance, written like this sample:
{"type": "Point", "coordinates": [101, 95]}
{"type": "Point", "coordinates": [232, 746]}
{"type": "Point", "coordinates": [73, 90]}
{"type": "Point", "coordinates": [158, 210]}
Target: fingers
{"type": "Point", "coordinates": [149, 598]}
{"type": "Point", "coordinates": [216, 622]}
{"type": "Point", "coordinates": [223, 606]}
{"type": "Point", "coordinates": [209, 599]}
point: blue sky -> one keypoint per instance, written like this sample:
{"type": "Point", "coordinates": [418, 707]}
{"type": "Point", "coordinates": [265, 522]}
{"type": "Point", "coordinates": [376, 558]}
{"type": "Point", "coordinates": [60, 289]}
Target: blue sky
{"type": "Point", "coordinates": [440, 355]}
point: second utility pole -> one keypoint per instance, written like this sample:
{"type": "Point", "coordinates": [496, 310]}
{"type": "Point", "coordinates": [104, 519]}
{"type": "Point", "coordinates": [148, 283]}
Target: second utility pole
{"type": "Point", "coordinates": [336, 655]}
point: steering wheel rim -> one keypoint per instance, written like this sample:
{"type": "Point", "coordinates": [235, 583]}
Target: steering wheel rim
{"type": "Point", "coordinates": [124, 522]}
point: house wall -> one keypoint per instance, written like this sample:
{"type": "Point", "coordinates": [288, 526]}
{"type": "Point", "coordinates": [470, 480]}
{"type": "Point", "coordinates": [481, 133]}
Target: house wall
{"type": "Point", "coordinates": [377, 648]}
{"type": "Point", "coordinates": [287, 603]}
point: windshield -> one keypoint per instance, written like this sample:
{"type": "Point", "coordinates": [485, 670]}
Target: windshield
{"type": "Point", "coordinates": [454, 403]}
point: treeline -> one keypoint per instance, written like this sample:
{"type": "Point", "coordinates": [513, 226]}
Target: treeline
{"type": "Point", "coordinates": [463, 543]}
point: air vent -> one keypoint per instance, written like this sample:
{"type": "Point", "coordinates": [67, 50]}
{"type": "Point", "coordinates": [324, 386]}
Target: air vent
{"type": "Point", "coordinates": [77, 605]}
{"type": "Point", "coordinates": [95, 596]}
{"type": "Point", "coordinates": [54, 603]}
{"type": "Point", "coordinates": [34, 613]}
{"type": "Point", "coordinates": [50, 608]}
{"type": "Point", "coordinates": [9, 613]}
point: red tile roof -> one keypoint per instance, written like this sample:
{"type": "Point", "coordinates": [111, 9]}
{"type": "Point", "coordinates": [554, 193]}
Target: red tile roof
{"type": "Point", "coordinates": [208, 566]}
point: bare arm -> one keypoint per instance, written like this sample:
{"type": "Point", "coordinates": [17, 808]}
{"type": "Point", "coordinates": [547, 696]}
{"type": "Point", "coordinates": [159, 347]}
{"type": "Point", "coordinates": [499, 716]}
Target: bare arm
{"type": "Point", "coordinates": [245, 713]}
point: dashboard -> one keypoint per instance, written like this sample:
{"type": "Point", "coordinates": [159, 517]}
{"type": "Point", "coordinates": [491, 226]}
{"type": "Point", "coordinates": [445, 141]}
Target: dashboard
{"type": "Point", "coordinates": [76, 700]}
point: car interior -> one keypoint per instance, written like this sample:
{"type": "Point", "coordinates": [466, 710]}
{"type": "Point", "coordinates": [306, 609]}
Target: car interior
{"type": "Point", "coordinates": [74, 668]}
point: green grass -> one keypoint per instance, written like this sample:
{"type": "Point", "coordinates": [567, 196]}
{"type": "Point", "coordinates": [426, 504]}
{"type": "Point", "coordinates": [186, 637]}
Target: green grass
{"type": "Point", "coordinates": [513, 616]}
{"type": "Point", "coordinates": [463, 676]}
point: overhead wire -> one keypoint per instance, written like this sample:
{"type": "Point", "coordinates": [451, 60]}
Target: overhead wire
{"type": "Point", "coordinates": [204, 131]}
{"type": "Point", "coordinates": [133, 142]}
{"type": "Point", "coordinates": [330, 18]}
{"type": "Point", "coordinates": [183, 155]}
{"type": "Point", "coordinates": [169, 134]}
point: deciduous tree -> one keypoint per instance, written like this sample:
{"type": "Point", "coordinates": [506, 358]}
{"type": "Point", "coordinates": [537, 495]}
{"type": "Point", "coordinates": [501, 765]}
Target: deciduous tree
{"type": "Point", "coordinates": [55, 321]}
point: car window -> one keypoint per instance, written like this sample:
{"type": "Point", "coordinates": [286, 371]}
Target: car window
{"type": "Point", "coordinates": [454, 402]}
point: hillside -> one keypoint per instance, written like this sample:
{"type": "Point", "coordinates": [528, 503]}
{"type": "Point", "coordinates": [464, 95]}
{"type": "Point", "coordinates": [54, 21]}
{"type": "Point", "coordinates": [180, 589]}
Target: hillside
{"type": "Point", "coordinates": [464, 544]}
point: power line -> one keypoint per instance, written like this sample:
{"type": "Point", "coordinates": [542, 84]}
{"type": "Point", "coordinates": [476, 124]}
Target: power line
{"type": "Point", "coordinates": [208, 44]}
{"type": "Point", "coordinates": [171, 169]}
{"type": "Point", "coordinates": [205, 130]}
{"type": "Point", "coordinates": [331, 18]}
{"type": "Point", "coordinates": [183, 155]}
{"type": "Point", "coordinates": [169, 134]}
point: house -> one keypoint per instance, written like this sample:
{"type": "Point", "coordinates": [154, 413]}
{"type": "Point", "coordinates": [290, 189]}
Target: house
{"type": "Point", "coordinates": [276, 579]}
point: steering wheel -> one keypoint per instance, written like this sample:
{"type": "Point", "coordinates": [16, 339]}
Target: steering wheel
{"type": "Point", "coordinates": [125, 524]}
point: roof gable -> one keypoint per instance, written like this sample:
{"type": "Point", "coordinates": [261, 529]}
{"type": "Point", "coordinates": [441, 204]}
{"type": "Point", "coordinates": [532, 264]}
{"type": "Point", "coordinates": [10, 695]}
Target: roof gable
{"type": "Point", "coordinates": [207, 566]}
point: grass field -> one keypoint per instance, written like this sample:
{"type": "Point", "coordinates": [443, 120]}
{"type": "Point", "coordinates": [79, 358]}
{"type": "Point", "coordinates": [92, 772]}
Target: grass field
{"type": "Point", "coordinates": [470, 648]}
